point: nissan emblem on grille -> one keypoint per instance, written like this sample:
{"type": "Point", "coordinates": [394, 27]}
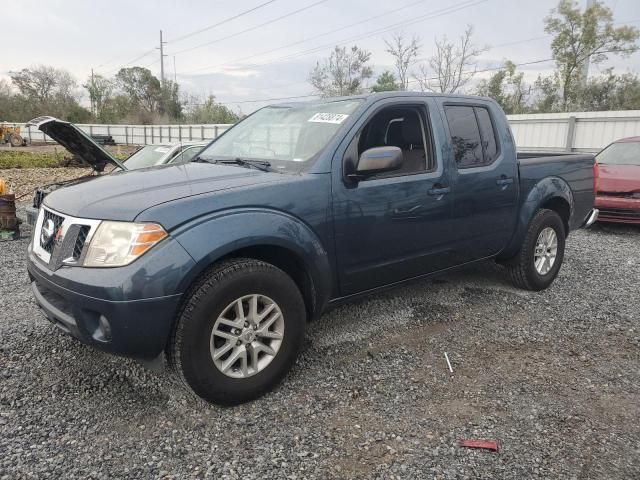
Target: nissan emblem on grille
{"type": "Point", "coordinates": [48, 230]}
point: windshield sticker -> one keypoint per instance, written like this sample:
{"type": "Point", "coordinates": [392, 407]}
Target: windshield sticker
{"type": "Point", "coordinates": [162, 149]}
{"type": "Point", "coordinates": [336, 118]}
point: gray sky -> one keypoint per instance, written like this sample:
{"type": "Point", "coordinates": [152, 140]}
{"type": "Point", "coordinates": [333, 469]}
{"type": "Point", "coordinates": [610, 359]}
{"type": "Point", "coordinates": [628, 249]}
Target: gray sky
{"type": "Point", "coordinates": [79, 35]}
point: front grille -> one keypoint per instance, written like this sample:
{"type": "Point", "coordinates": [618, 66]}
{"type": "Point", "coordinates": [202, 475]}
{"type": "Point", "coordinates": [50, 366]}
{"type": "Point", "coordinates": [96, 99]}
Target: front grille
{"type": "Point", "coordinates": [80, 241]}
{"type": "Point", "coordinates": [620, 213]}
{"type": "Point", "coordinates": [48, 243]}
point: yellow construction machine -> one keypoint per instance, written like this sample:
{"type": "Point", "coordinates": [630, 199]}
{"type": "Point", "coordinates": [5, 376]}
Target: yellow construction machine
{"type": "Point", "coordinates": [11, 135]}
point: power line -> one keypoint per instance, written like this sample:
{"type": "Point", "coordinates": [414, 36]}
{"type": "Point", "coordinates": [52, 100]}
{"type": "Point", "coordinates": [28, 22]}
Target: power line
{"type": "Point", "coordinates": [221, 22]}
{"type": "Point", "coordinates": [268, 99]}
{"type": "Point", "coordinates": [305, 40]}
{"type": "Point", "coordinates": [251, 28]}
{"type": "Point", "coordinates": [371, 33]}
{"type": "Point", "coordinates": [490, 69]}
{"type": "Point", "coordinates": [188, 35]}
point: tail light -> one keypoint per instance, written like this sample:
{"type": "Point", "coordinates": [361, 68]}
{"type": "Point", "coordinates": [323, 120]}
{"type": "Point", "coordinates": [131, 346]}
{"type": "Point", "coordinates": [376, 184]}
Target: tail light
{"type": "Point", "coordinates": [596, 175]}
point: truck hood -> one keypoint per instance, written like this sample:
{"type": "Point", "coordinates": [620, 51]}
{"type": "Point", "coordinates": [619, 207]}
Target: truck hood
{"type": "Point", "coordinates": [618, 178]}
{"type": "Point", "coordinates": [76, 142]}
{"type": "Point", "coordinates": [124, 195]}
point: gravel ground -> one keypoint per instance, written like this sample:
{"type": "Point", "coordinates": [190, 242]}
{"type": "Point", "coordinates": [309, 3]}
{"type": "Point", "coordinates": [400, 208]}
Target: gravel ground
{"type": "Point", "coordinates": [24, 181]}
{"type": "Point", "coordinates": [553, 376]}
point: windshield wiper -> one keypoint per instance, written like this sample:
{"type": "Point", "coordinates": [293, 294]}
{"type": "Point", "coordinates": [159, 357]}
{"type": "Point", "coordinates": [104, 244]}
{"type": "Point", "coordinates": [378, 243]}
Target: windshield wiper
{"type": "Point", "coordinates": [262, 165]}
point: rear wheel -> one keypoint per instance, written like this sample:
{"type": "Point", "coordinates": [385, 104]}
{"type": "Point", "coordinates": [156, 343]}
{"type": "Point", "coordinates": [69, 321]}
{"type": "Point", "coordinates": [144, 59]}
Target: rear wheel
{"type": "Point", "coordinates": [540, 258]}
{"type": "Point", "coordinates": [239, 332]}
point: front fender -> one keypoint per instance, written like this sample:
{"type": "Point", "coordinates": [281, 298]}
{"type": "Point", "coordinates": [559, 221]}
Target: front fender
{"type": "Point", "coordinates": [539, 194]}
{"type": "Point", "coordinates": [211, 237]}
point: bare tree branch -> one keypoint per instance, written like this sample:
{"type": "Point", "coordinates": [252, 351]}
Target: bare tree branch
{"type": "Point", "coordinates": [404, 55]}
{"type": "Point", "coordinates": [453, 66]}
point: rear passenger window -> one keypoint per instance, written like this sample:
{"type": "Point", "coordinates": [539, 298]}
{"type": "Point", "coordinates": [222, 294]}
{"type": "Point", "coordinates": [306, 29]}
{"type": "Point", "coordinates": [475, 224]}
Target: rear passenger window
{"type": "Point", "coordinates": [489, 144]}
{"type": "Point", "coordinates": [474, 141]}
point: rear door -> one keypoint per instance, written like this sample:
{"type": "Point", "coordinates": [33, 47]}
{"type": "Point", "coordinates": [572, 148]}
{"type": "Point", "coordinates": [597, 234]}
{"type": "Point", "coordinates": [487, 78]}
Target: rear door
{"type": "Point", "coordinates": [484, 179]}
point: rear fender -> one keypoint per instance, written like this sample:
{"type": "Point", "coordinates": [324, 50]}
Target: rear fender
{"type": "Point", "coordinates": [546, 189]}
{"type": "Point", "coordinates": [212, 237]}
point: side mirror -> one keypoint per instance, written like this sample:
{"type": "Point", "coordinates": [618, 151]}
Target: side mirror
{"type": "Point", "coordinates": [378, 160]}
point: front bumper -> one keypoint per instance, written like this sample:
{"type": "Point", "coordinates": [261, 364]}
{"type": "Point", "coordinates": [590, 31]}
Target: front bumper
{"type": "Point", "coordinates": [618, 209]}
{"type": "Point", "coordinates": [126, 311]}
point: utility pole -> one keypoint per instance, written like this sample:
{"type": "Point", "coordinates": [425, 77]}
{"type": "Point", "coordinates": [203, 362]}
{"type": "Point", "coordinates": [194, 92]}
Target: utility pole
{"type": "Point", "coordinates": [585, 64]}
{"type": "Point", "coordinates": [92, 94]}
{"type": "Point", "coordinates": [162, 55]}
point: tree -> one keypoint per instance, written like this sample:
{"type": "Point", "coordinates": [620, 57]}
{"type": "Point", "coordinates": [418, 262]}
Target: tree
{"type": "Point", "coordinates": [208, 111]}
{"type": "Point", "coordinates": [404, 55]}
{"type": "Point", "coordinates": [453, 65]}
{"type": "Point", "coordinates": [610, 92]}
{"type": "Point", "coordinates": [386, 82]}
{"type": "Point", "coordinates": [45, 89]}
{"type": "Point", "coordinates": [100, 92]}
{"type": "Point", "coordinates": [343, 73]}
{"type": "Point", "coordinates": [507, 88]}
{"type": "Point", "coordinates": [141, 85]}
{"type": "Point", "coordinates": [170, 103]}
{"type": "Point", "coordinates": [584, 36]}
{"type": "Point", "coordinates": [36, 83]}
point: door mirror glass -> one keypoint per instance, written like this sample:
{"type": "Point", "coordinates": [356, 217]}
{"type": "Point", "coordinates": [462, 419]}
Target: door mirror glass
{"type": "Point", "coordinates": [378, 160]}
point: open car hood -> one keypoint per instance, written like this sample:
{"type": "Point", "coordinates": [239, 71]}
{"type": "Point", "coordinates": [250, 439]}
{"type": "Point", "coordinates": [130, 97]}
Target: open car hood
{"type": "Point", "coordinates": [76, 142]}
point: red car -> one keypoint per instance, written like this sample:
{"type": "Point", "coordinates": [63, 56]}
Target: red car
{"type": "Point", "coordinates": [618, 181]}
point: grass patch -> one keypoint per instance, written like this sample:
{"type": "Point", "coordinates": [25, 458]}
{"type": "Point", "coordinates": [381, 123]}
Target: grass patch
{"type": "Point", "coordinates": [19, 159]}
{"type": "Point", "coordinates": [31, 159]}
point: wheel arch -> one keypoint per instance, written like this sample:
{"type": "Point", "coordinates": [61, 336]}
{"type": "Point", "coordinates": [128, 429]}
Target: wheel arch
{"type": "Point", "coordinates": [552, 193]}
{"type": "Point", "coordinates": [273, 237]}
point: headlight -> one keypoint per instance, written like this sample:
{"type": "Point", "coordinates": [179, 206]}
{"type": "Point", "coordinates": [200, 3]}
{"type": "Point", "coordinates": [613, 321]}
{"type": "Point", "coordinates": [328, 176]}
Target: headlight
{"type": "Point", "coordinates": [119, 243]}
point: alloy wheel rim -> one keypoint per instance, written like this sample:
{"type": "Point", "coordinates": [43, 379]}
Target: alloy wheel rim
{"type": "Point", "coordinates": [247, 336]}
{"type": "Point", "coordinates": [546, 250]}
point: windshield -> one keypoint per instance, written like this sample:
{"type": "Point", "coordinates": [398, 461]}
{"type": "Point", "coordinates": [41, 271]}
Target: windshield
{"type": "Point", "coordinates": [627, 153]}
{"type": "Point", "coordinates": [146, 157]}
{"type": "Point", "coordinates": [286, 134]}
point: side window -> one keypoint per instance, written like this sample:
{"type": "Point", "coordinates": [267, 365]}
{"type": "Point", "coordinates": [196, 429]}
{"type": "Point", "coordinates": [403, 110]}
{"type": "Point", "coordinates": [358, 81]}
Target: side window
{"type": "Point", "coordinates": [489, 143]}
{"type": "Point", "coordinates": [472, 135]}
{"type": "Point", "coordinates": [465, 135]}
{"type": "Point", "coordinates": [402, 127]}
{"type": "Point", "coordinates": [186, 155]}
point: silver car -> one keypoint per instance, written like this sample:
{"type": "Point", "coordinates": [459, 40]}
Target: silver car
{"type": "Point", "coordinates": [151, 155]}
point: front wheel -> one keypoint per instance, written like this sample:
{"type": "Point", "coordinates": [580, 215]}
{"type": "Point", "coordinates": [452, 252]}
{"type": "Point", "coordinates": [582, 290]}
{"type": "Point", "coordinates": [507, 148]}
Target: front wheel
{"type": "Point", "coordinates": [239, 331]}
{"type": "Point", "coordinates": [538, 262]}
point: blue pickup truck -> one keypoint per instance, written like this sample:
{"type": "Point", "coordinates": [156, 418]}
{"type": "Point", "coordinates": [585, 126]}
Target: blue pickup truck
{"type": "Point", "coordinates": [218, 264]}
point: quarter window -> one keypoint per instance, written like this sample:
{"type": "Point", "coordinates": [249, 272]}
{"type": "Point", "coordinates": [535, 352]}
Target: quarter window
{"type": "Point", "coordinates": [472, 135]}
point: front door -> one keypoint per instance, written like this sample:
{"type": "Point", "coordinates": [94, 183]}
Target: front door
{"type": "Point", "coordinates": [394, 225]}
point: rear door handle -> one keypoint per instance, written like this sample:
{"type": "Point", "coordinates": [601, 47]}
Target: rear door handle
{"type": "Point", "coordinates": [439, 191]}
{"type": "Point", "coordinates": [504, 181]}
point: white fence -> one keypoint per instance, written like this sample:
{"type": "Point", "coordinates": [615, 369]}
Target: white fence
{"type": "Point", "coordinates": [573, 132]}
{"type": "Point", "coordinates": [580, 131]}
{"type": "Point", "coordinates": [137, 134]}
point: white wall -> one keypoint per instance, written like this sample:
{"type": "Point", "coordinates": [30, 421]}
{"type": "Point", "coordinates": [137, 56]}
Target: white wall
{"type": "Point", "coordinates": [138, 134]}
{"type": "Point", "coordinates": [579, 131]}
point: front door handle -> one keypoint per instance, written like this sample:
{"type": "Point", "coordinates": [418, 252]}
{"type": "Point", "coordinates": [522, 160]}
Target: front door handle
{"type": "Point", "coordinates": [504, 181]}
{"type": "Point", "coordinates": [439, 191]}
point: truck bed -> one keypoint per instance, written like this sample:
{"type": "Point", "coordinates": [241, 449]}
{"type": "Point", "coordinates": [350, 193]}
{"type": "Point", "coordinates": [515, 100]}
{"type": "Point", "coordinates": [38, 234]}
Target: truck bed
{"type": "Point", "coordinates": [576, 169]}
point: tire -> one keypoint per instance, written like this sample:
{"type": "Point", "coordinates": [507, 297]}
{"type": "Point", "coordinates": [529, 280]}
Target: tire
{"type": "Point", "coordinates": [522, 268]}
{"type": "Point", "coordinates": [211, 303]}
{"type": "Point", "coordinates": [15, 140]}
